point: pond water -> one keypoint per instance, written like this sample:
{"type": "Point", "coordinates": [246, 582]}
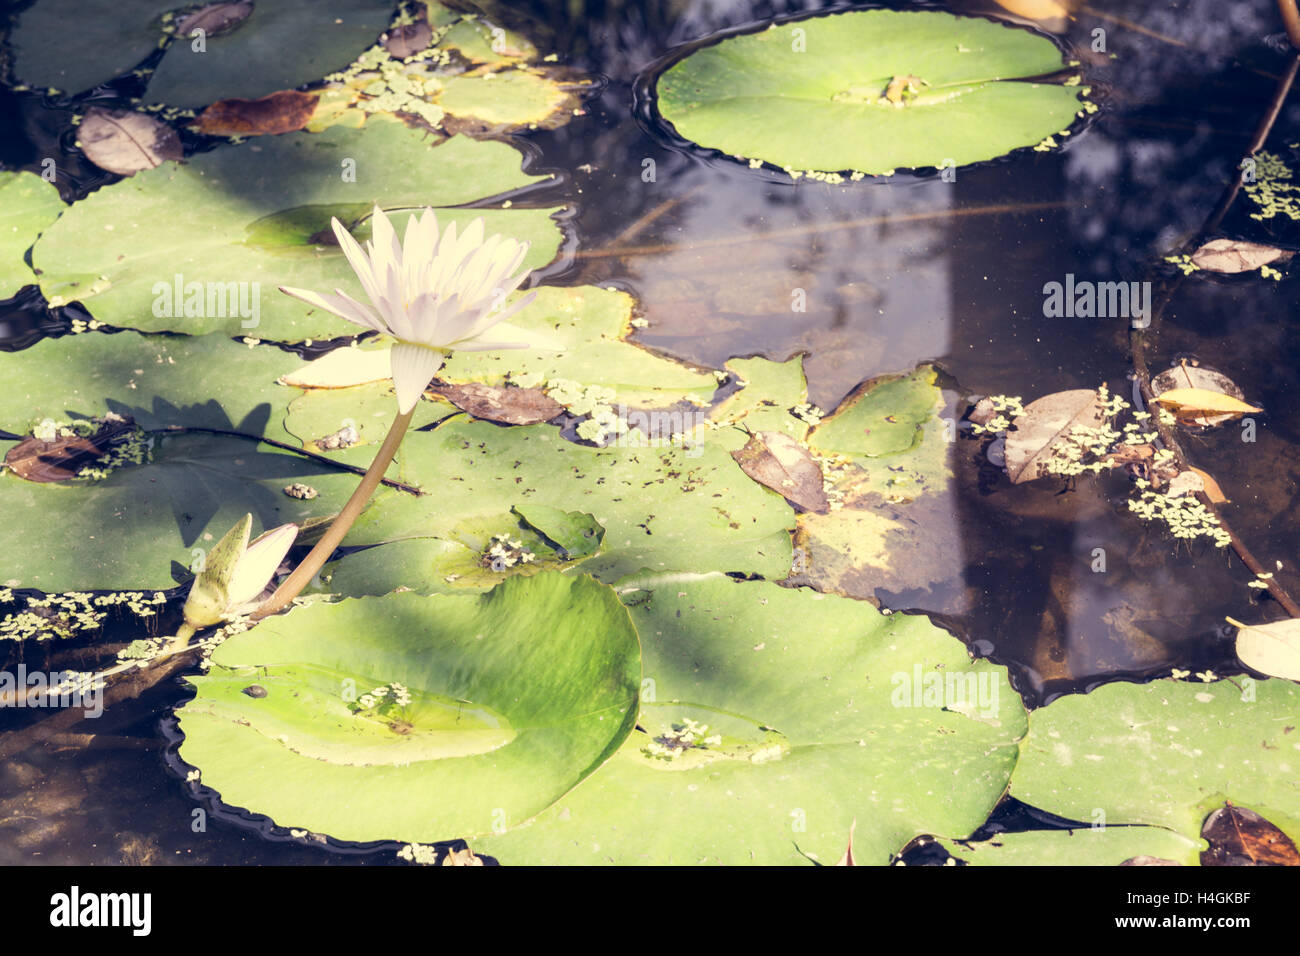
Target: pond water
{"type": "Point", "coordinates": [898, 272]}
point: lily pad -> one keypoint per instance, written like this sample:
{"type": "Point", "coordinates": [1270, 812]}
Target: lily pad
{"type": "Point", "coordinates": [1165, 753]}
{"type": "Point", "coordinates": [890, 528]}
{"type": "Point", "coordinates": [661, 508]}
{"type": "Point", "coordinates": [824, 93]}
{"type": "Point", "coordinates": [28, 204]}
{"type": "Point", "coordinates": [591, 324]}
{"type": "Point", "coordinates": [125, 530]}
{"type": "Point", "coordinates": [282, 44]}
{"type": "Point", "coordinates": [231, 222]}
{"type": "Point", "coordinates": [515, 697]}
{"type": "Point", "coordinates": [1099, 846]}
{"type": "Point", "coordinates": [204, 381]}
{"type": "Point", "coordinates": [771, 719]}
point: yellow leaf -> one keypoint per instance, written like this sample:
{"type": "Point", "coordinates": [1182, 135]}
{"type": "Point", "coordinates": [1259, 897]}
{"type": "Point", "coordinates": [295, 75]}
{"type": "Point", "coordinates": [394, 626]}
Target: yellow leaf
{"type": "Point", "coordinates": [1272, 649]}
{"type": "Point", "coordinates": [1035, 9]}
{"type": "Point", "coordinates": [1196, 400]}
{"type": "Point", "coordinates": [341, 368]}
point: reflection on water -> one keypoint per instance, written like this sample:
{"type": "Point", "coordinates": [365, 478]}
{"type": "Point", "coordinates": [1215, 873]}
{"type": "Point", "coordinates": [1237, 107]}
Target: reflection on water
{"type": "Point", "coordinates": [891, 274]}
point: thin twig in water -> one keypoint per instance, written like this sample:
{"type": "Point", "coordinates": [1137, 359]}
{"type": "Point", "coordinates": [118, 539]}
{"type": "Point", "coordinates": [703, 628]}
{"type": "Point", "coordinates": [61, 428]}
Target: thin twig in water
{"type": "Point", "coordinates": [742, 238]}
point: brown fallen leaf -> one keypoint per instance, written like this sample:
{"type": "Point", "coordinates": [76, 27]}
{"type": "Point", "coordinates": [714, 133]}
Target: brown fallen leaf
{"type": "Point", "coordinates": [1272, 649]}
{"type": "Point", "coordinates": [1194, 402]}
{"type": "Point", "coordinates": [281, 112]}
{"type": "Point", "coordinates": [1211, 489]}
{"type": "Point", "coordinates": [1230, 256]}
{"type": "Point", "coordinates": [1045, 424]}
{"type": "Point", "coordinates": [779, 462]}
{"type": "Point", "coordinates": [408, 39]}
{"type": "Point", "coordinates": [214, 19]}
{"type": "Point", "coordinates": [61, 459]}
{"type": "Point", "coordinates": [510, 406]}
{"type": "Point", "coordinates": [125, 142]}
{"type": "Point", "coordinates": [1241, 837]}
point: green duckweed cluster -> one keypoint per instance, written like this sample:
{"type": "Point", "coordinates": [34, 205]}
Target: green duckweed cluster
{"type": "Point", "coordinates": [60, 616]}
{"type": "Point", "coordinates": [1273, 190]}
{"type": "Point", "coordinates": [681, 737]}
{"type": "Point", "coordinates": [1093, 449]}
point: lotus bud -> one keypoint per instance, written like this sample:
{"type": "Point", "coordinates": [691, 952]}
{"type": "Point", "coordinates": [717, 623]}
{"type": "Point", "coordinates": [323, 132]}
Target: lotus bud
{"type": "Point", "coordinates": [235, 573]}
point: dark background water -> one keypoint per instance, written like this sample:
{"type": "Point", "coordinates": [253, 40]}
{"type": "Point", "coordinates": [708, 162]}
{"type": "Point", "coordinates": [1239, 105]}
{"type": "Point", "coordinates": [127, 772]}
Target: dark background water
{"type": "Point", "coordinates": [909, 270]}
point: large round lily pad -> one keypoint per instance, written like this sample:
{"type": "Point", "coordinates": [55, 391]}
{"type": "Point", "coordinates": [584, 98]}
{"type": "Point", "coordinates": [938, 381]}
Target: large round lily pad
{"type": "Point", "coordinates": [515, 697]}
{"type": "Point", "coordinates": [870, 91]}
{"type": "Point", "coordinates": [1166, 753]}
{"type": "Point", "coordinates": [771, 719]}
{"type": "Point", "coordinates": [232, 225]}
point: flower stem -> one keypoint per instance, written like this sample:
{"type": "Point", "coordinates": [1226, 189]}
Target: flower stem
{"type": "Point", "coordinates": [318, 555]}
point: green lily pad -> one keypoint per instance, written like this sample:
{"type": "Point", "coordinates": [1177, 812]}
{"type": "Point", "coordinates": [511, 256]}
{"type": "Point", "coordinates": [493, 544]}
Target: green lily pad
{"type": "Point", "coordinates": [1099, 846]}
{"type": "Point", "coordinates": [575, 534]}
{"type": "Point", "coordinates": [812, 94]}
{"type": "Point", "coordinates": [205, 381]}
{"type": "Point", "coordinates": [884, 416]}
{"type": "Point", "coordinates": [508, 100]}
{"type": "Point", "coordinates": [283, 44]}
{"type": "Point", "coordinates": [515, 697]}
{"type": "Point", "coordinates": [1166, 753]}
{"type": "Point", "coordinates": [232, 220]}
{"type": "Point", "coordinates": [591, 323]}
{"type": "Point", "coordinates": [890, 528]}
{"type": "Point", "coordinates": [771, 390]}
{"type": "Point", "coordinates": [661, 507]}
{"type": "Point", "coordinates": [773, 718]}
{"type": "Point", "coordinates": [125, 530]}
{"type": "Point", "coordinates": [28, 204]}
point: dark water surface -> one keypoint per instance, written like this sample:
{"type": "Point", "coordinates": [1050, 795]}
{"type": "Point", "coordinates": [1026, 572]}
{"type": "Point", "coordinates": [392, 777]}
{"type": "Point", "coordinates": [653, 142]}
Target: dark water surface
{"type": "Point", "coordinates": [910, 270]}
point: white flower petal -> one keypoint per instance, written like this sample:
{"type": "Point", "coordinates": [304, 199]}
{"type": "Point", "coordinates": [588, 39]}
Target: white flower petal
{"type": "Point", "coordinates": [503, 335]}
{"type": "Point", "coordinates": [333, 304]}
{"type": "Point", "coordinates": [413, 368]}
{"type": "Point", "coordinates": [258, 563]}
{"type": "Point", "coordinates": [357, 258]}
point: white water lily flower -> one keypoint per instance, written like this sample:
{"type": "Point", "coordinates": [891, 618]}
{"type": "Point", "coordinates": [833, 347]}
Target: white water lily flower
{"type": "Point", "coordinates": [432, 293]}
{"type": "Point", "coordinates": [235, 573]}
